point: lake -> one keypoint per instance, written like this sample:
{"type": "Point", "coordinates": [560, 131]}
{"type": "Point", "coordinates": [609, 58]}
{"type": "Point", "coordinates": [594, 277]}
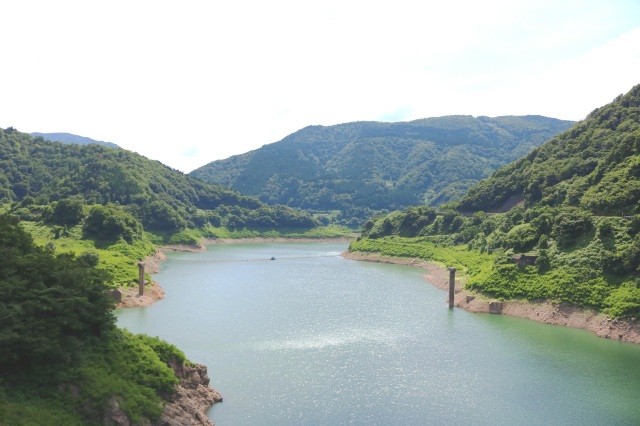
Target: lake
{"type": "Point", "coordinates": [313, 338]}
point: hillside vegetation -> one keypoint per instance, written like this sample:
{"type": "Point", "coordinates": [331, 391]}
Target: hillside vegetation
{"type": "Point", "coordinates": [62, 359]}
{"type": "Point", "coordinates": [358, 169]}
{"type": "Point", "coordinates": [117, 205]}
{"type": "Point", "coordinates": [594, 166]}
{"type": "Point", "coordinates": [577, 207]}
{"type": "Point", "coordinates": [36, 174]}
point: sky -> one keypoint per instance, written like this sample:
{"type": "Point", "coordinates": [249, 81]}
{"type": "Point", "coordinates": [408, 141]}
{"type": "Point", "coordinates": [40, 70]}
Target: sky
{"type": "Point", "coordinates": [189, 82]}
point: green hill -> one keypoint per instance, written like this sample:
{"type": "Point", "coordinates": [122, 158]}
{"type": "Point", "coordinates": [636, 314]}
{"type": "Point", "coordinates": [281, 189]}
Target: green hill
{"type": "Point", "coordinates": [363, 168]}
{"type": "Point", "coordinates": [35, 172]}
{"type": "Point", "coordinates": [574, 202]}
{"type": "Point", "coordinates": [594, 166]}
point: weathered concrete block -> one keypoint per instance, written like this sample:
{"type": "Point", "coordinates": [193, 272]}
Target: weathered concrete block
{"type": "Point", "coordinates": [495, 307]}
{"type": "Point", "coordinates": [116, 295]}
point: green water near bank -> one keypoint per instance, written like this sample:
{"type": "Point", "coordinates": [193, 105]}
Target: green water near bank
{"type": "Point", "coordinates": [312, 338]}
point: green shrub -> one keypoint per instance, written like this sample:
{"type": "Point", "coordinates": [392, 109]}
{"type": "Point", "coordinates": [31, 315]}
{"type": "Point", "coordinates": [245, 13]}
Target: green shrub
{"type": "Point", "coordinates": [110, 222]}
{"type": "Point", "coordinates": [570, 223]}
{"type": "Point", "coordinates": [188, 236]}
{"type": "Point", "coordinates": [624, 301]}
{"type": "Point", "coordinates": [67, 212]}
{"type": "Point", "coordinates": [521, 237]}
{"type": "Point", "coordinates": [126, 367]}
{"type": "Point", "coordinates": [50, 305]}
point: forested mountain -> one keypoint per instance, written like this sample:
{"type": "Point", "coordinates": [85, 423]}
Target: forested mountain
{"type": "Point", "coordinates": [49, 179]}
{"type": "Point", "coordinates": [594, 166]}
{"type": "Point", "coordinates": [574, 202]}
{"type": "Point", "coordinates": [71, 138]}
{"type": "Point", "coordinates": [365, 167]}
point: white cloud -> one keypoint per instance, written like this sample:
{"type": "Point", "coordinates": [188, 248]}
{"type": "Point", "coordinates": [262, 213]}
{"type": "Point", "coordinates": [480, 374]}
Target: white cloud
{"type": "Point", "coordinates": [187, 83]}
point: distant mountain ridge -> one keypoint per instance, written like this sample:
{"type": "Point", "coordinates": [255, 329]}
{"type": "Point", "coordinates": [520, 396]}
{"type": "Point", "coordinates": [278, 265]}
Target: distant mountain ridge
{"type": "Point", "coordinates": [362, 168]}
{"type": "Point", "coordinates": [38, 172]}
{"type": "Point", "coordinates": [72, 139]}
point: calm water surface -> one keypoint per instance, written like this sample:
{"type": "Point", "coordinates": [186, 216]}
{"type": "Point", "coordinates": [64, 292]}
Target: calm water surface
{"type": "Point", "coordinates": [312, 338]}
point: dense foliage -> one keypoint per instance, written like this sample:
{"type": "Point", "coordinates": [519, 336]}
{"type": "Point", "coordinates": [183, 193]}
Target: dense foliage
{"type": "Point", "coordinates": [61, 357]}
{"type": "Point", "coordinates": [50, 305]}
{"type": "Point", "coordinates": [362, 168]}
{"type": "Point", "coordinates": [37, 175]}
{"type": "Point", "coordinates": [594, 166]}
{"type": "Point", "coordinates": [573, 202]}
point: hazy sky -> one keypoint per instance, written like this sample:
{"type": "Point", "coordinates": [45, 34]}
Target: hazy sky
{"type": "Point", "coordinates": [189, 82]}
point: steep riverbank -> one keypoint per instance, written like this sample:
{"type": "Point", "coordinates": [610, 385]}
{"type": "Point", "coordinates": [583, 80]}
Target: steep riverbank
{"type": "Point", "coordinates": [546, 312]}
{"type": "Point", "coordinates": [192, 398]}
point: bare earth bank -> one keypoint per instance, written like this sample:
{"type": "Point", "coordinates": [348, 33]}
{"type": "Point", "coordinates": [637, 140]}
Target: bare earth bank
{"type": "Point", "coordinates": [547, 312]}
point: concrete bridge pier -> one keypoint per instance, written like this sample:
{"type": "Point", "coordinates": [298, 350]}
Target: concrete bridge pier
{"type": "Point", "coordinates": [141, 266]}
{"type": "Point", "coordinates": [452, 286]}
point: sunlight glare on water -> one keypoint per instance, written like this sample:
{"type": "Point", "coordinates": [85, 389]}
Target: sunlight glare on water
{"type": "Point", "coordinates": [312, 338]}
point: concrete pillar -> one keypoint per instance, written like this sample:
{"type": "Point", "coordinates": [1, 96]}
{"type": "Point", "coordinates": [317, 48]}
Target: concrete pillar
{"type": "Point", "coordinates": [452, 285]}
{"type": "Point", "coordinates": [140, 278]}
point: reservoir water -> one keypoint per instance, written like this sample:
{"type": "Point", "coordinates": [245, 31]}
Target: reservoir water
{"type": "Point", "coordinates": [312, 338]}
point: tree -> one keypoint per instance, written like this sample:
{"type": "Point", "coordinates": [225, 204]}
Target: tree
{"type": "Point", "coordinates": [67, 212]}
{"type": "Point", "coordinates": [110, 223]}
{"type": "Point", "coordinates": [50, 305]}
{"type": "Point", "coordinates": [570, 223]}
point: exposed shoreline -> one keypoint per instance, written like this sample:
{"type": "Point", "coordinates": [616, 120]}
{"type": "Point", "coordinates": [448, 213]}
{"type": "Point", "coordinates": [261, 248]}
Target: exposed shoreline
{"type": "Point", "coordinates": [546, 312]}
{"type": "Point", "coordinates": [152, 290]}
{"type": "Point", "coordinates": [193, 399]}
{"type": "Point", "coordinates": [436, 274]}
{"type": "Point", "coordinates": [193, 396]}
{"type": "Point", "coordinates": [208, 241]}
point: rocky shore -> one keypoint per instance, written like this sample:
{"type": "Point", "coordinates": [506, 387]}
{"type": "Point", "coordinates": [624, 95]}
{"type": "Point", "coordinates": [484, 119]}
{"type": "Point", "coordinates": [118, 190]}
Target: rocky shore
{"type": "Point", "coordinates": [186, 406]}
{"type": "Point", "coordinates": [193, 396]}
{"type": "Point", "coordinates": [546, 312]}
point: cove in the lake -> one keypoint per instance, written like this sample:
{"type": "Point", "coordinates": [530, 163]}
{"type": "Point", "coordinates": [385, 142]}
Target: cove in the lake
{"type": "Point", "coordinates": [313, 338]}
